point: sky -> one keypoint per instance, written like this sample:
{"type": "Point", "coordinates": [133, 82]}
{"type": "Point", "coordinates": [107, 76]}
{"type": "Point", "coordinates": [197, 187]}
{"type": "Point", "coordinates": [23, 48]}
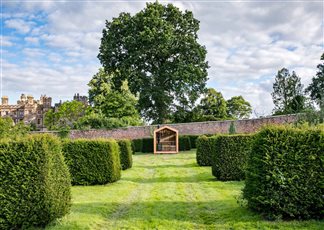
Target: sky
{"type": "Point", "coordinates": [51, 47]}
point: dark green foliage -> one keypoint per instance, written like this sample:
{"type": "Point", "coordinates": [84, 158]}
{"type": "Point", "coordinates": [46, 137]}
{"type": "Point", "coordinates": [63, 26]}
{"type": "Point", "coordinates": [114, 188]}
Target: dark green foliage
{"type": "Point", "coordinates": [285, 177]}
{"type": "Point", "coordinates": [92, 161]}
{"type": "Point", "coordinates": [288, 96]}
{"type": "Point", "coordinates": [147, 145]}
{"type": "Point", "coordinates": [232, 129]}
{"type": "Point", "coordinates": [34, 183]}
{"type": "Point", "coordinates": [193, 139]}
{"type": "Point", "coordinates": [157, 51]}
{"type": "Point", "coordinates": [229, 156]}
{"type": "Point", "coordinates": [125, 154]}
{"type": "Point", "coordinates": [316, 87]}
{"type": "Point", "coordinates": [184, 143]}
{"type": "Point", "coordinates": [138, 144]}
{"type": "Point", "coordinates": [205, 147]}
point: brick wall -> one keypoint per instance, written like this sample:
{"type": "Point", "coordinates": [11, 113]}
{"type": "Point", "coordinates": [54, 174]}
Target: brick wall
{"type": "Point", "coordinates": [198, 128]}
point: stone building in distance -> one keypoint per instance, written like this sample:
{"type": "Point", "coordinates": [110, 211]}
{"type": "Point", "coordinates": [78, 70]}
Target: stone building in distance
{"type": "Point", "coordinates": [27, 109]}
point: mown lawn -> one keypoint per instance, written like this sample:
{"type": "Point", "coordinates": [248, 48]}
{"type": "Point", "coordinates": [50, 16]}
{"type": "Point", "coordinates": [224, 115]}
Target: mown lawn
{"type": "Point", "coordinates": [166, 192]}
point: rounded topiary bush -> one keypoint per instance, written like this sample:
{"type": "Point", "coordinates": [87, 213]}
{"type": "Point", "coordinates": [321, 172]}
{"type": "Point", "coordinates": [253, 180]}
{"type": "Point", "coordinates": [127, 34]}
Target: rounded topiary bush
{"type": "Point", "coordinates": [285, 176]}
{"type": "Point", "coordinates": [125, 153]}
{"type": "Point", "coordinates": [92, 162]}
{"type": "Point", "coordinates": [34, 183]}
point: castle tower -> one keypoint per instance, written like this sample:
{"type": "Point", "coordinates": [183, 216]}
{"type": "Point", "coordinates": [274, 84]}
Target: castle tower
{"type": "Point", "coordinates": [4, 100]}
{"type": "Point", "coordinates": [30, 99]}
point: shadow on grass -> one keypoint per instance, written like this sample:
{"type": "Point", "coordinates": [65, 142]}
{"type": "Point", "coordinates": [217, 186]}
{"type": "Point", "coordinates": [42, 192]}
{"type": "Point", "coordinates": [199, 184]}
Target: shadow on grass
{"type": "Point", "coordinates": [192, 165]}
{"type": "Point", "coordinates": [195, 212]}
{"type": "Point", "coordinates": [201, 177]}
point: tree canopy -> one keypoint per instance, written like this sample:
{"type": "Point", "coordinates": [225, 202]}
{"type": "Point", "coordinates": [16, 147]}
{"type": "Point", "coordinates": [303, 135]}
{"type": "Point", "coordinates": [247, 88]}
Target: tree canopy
{"type": "Point", "coordinates": [157, 51]}
{"type": "Point", "coordinates": [287, 93]}
{"type": "Point", "coordinates": [238, 108]}
{"type": "Point", "coordinates": [316, 87]}
{"type": "Point", "coordinates": [213, 105]}
{"type": "Point", "coordinates": [65, 116]}
{"type": "Point", "coordinates": [110, 102]}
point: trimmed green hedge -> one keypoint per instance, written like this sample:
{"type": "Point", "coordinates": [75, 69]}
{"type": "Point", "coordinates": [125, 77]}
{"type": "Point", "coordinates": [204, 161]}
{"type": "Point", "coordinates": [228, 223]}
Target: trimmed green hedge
{"type": "Point", "coordinates": [205, 147]}
{"type": "Point", "coordinates": [147, 145]}
{"type": "Point", "coordinates": [229, 156]}
{"type": "Point", "coordinates": [193, 139]}
{"type": "Point", "coordinates": [184, 143]}
{"type": "Point", "coordinates": [138, 145]}
{"type": "Point", "coordinates": [285, 177]}
{"type": "Point", "coordinates": [125, 154]}
{"type": "Point", "coordinates": [92, 161]}
{"type": "Point", "coordinates": [35, 182]}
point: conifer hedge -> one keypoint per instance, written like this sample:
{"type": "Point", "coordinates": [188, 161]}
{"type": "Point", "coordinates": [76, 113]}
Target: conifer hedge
{"type": "Point", "coordinates": [205, 147]}
{"type": "Point", "coordinates": [184, 143]}
{"type": "Point", "coordinates": [229, 156]}
{"type": "Point", "coordinates": [193, 139]}
{"type": "Point", "coordinates": [138, 145]}
{"type": "Point", "coordinates": [285, 177]}
{"type": "Point", "coordinates": [125, 153]}
{"type": "Point", "coordinates": [147, 145]}
{"type": "Point", "coordinates": [92, 162]}
{"type": "Point", "coordinates": [34, 183]}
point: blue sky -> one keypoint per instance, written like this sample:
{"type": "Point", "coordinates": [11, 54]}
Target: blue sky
{"type": "Point", "coordinates": [51, 47]}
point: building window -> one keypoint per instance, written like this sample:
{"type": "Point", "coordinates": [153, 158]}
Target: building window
{"type": "Point", "coordinates": [39, 121]}
{"type": "Point", "coordinates": [7, 113]}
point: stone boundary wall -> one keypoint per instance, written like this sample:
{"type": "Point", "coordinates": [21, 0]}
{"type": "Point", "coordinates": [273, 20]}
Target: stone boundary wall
{"type": "Point", "coordinates": [194, 128]}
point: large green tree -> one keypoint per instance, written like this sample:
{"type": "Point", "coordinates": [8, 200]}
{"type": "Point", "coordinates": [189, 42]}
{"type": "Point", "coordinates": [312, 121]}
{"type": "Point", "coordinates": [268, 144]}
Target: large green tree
{"type": "Point", "coordinates": [287, 93]}
{"type": "Point", "coordinates": [65, 116]}
{"type": "Point", "coordinates": [316, 88]}
{"type": "Point", "coordinates": [110, 102]}
{"type": "Point", "coordinates": [213, 105]}
{"type": "Point", "coordinates": [157, 51]}
{"type": "Point", "coordinates": [238, 108]}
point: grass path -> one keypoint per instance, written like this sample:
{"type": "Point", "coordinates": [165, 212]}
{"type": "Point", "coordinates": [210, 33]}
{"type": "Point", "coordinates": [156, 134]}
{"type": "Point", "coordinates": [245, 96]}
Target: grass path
{"type": "Point", "coordinates": [166, 192]}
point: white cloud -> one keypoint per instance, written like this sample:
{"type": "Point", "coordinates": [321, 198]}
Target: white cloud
{"type": "Point", "coordinates": [247, 42]}
{"type": "Point", "coordinates": [18, 24]}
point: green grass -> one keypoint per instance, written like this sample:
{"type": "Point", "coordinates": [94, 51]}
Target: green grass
{"type": "Point", "coordinates": [166, 192]}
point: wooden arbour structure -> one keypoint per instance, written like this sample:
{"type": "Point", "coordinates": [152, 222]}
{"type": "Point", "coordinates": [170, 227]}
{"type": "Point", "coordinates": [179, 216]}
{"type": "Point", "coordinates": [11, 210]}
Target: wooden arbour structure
{"type": "Point", "coordinates": [166, 140]}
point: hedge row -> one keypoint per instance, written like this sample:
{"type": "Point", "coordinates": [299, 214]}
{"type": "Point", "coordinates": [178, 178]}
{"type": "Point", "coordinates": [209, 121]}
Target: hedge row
{"type": "Point", "coordinates": [145, 145]}
{"type": "Point", "coordinates": [204, 151]}
{"type": "Point", "coordinates": [35, 182]}
{"type": "Point", "coordinates": [229, 156]}
{"type": "Point", "coordinates": [137, 145]}
{"type": "Point", "coordinates": [193, 139]}
{"type": "Point", "coordinates": [285, 177]}
{"type": "Point", "coordinates": [125, 153]}
{"type": "Point", "coordinates": [184, 143]}
{"type": "Point", "coordinates": [92, 161]}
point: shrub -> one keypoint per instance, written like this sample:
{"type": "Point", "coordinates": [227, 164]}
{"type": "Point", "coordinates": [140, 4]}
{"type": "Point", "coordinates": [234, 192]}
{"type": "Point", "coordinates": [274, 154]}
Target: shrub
{"type": "Point", "coordinates": [125, 153]}
{"type": "Point", "coordinates": [138, 145]}
{"type": "Point", "coordinates": [184, 143]}
{"type": "Point", "coordinates": [147, 145]}
{"type": "Point", "coordinates": [193, 139]}
{"type": "Point", "coordinates": [229, 156]}
{"type": "Point", "coordinates": [285, 173]}
{"type": "Point", "coordinates": [92, 161]}
{"type": "Point", "coordinates": [34, 184]}
{"type": "Point", "coordinates": [205, 146]}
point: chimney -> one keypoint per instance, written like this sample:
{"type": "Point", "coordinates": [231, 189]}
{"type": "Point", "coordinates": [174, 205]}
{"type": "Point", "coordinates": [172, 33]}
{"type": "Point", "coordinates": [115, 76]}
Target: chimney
{"type": "Point", "coordinates": [4, 100]}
